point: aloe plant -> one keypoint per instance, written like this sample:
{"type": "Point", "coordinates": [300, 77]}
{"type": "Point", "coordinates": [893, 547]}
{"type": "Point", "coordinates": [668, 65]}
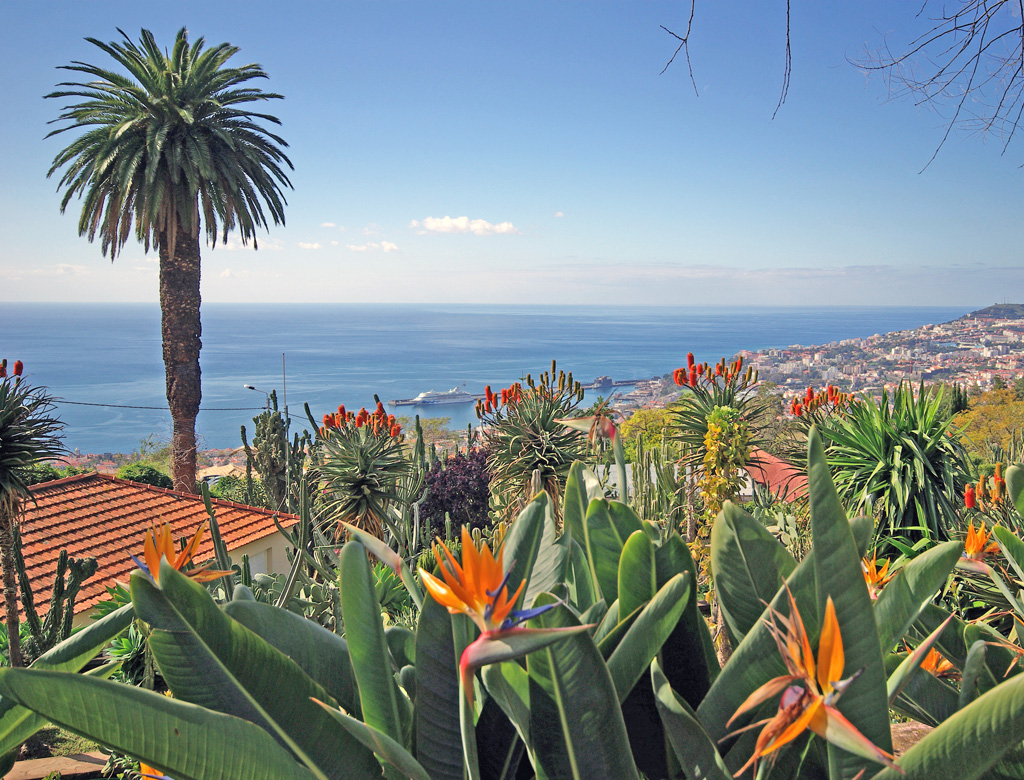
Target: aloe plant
{"type": "Point", "coordinates": [630, 685]}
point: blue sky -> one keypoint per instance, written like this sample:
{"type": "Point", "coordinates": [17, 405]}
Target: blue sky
{"type": "Point", "coordinates": [530, 152]}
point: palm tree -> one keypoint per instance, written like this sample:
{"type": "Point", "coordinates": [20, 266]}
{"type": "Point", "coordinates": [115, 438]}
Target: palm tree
{"type": "Point", "coordinates": [28, 435]}
{"type": "Point", "coordinates": [170, 146]}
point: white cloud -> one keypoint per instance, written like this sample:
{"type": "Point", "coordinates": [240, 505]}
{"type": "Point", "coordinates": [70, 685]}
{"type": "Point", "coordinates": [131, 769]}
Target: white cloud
{"type": "Point", "coordinates": [308, 245]}
{"type": "Point", "coordinates": [234, 244]}
{"type": "Point", "coordinates": [63, 269]}
{"type": "Point", "coordinates": [328, 225]}
{"type": "Point", "coordinates": [228, 273]}
{"type": "Point", "coordinates": [383, 246]}
{"type": "Point", "coordinates": [478, 227]}
{"type": "Point", "coordinates": [335, 243]}
{"type": "Point", "coordinates": [559, 214]}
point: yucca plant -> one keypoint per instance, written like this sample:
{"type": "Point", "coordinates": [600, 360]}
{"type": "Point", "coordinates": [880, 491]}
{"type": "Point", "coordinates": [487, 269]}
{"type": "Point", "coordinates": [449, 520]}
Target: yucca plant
{"type": "Point", "coordinates": [900, 460]}
{"type": "Point", "coordinates": [29, 434]}
{"type": "Point", "coordinates": [523, 434]}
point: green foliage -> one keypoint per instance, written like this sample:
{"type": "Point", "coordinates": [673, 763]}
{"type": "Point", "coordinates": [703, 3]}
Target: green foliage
{"type": "Point", "coordinates": [900, 462]}
{"type": "Point", "coordinates": [631, 687]}
{"type": "Point", "coordinates": [240, 490]}
{"type": "Point", "coordinates": [649, 426]}
{"type": "Point", "coordinates": [994, 420]}
{"type": "Point", "coordinates": [146, 473]}
{"type": "Point", "coordinates": [46, 472]}
{"type": "Point", "coordinates": [277, 461]}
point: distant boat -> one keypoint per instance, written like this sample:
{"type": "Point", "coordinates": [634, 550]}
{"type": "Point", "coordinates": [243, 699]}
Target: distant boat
{"type": "Point", "coordinates": [431, 398]}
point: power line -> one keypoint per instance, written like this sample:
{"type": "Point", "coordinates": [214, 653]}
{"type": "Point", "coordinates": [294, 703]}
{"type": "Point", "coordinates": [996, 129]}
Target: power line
{"type": "Point", "coordinates": [162, 408]}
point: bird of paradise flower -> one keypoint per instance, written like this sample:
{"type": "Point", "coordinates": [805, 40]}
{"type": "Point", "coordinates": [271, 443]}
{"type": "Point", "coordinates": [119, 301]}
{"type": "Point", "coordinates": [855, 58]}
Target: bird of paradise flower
{"type": "Point", "coordinates": [159, 543]}
{"type": "Point", "coordinates": [478, 588]}
{"type": "Point", "coordinates": [809, 691]}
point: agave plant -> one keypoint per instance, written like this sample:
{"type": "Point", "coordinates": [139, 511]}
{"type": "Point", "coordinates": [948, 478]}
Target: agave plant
{"type": "Point", "coordinates": [900, 460]}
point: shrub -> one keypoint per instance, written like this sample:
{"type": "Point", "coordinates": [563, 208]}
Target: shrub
{"type": "Point", "coordinates": [458, 486]}
{"type": "Point", "coordinates": [146, 474]}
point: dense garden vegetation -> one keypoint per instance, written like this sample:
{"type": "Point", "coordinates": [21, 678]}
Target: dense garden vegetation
{"type": "Point", "coordinates": [529, 604]}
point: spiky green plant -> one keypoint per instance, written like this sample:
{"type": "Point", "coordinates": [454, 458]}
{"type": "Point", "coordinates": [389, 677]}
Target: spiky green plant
{"type": "Point", "coordinates": [524, 435]}
{"type": "Point", "coordinates": [29, 434]}
{"type": "Point", "coordinates": [900, 460]}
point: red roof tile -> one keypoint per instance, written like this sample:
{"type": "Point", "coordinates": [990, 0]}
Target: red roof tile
{"type": "Point", "coordinates": [103, 517]}
{"type": "Point", "coordinates": [783, 479]}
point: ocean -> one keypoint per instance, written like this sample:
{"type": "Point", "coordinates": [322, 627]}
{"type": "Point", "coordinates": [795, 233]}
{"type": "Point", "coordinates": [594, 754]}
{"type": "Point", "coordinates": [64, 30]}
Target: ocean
{"type": "Point", "coordinates": [99, 360]}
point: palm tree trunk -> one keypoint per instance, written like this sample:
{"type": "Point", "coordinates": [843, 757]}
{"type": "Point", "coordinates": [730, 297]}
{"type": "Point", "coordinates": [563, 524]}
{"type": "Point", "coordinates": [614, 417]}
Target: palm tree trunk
{"type": "Point", "coordinates": [181, 332]}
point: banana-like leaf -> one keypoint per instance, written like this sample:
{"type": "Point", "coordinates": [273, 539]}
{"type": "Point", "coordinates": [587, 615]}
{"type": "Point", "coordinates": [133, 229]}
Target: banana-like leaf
{"type": "Point", "coordinates": [384, 706]}
{"type": "Point", "coordinates": [181, 739]}
{"type": "Point", "coordinates": [911, 590]}
{"type": "Point", "coordinates": [17, 723]}
{"type": "Point", "coordinates": [401, 644]}
{"type": "Point", "coordinates": [581, 487]}
{"type": "Point", "coordinates": [608, 526]}
{"type": "Point", "coordinates": [389, 558]}
{"type": "Point", "coordinates": [509, 685]}
{"type": "Point", "coordinates": [213, 661]}
{"type": "Point", "coordinates": [1015, 487]}
{"type": "Point", "coordinates": [608, 635]}
{"type": "Point", "coordinates": [577, 730]}
{"type": "Point", "coordinates": [1012, 547]}
{"type": "Point", "coordinates": [321, 654]}
{"type": "Point", "coordinates": [438, 740]}
{"type": "Point", "coordinates": [750, 566]}
{"type": "Point", "coordinates": [925, 697]}
{"type": "Point", "coordinates": [380, 743]}
{"type": "Point", "coordinates": [633, 655]}
{"type": "Point", "coordinates": [583, 593]}
{"type": "Point", "coordinates": [637, 573]}
{"type": "Point", "coordinates": [531, 552]}
{"type": "Point", "coordinates": [462, 626]}
{"type": "Point", "coordinates": [911, 665]}
{"type": "Point", "coordinates": [609, 620]}
{"type": "Point", "coordinates": [838, 573]}
{"type": "Point", "coordinates": [971, 742]}
{"type": "Point", "coordinates": [976, 678]}
{"type": "Point", "coordinates": [697, 753]}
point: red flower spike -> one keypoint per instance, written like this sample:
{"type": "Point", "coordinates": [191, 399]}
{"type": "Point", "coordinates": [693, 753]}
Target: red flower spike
{"type": "Point", "coordinates": [18, 367]}
{"type": "Point", "coordinates": [810, 394]}
{"type": "Point", "coordinates": [689, 359]}
{"type": "Point", "coordinates": [970, 501]}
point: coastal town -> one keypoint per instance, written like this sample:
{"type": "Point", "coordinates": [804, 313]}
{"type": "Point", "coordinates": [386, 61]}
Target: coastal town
{"type": "Point", "coordinates": [976, 350]}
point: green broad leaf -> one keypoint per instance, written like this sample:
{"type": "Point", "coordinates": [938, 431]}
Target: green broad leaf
{"type": "Point", "coordinates": [509, 685]}
{"type": "Point", "coordinates": [531, 550]}
{"type": "Point", "coordinates": [756, 660]}
{"type": "Point", "coordinates": [438, 739]}
{"type": "Point", "coordinates": [911, 590]}
{"type": "Point", "coordinates": [17, 723]}
{"type": "Point", "coordinates": [644, 639]}
{"type": "Point", "coordinates": [926, 698]}
{"type": "Point", "coordinates": [608, 526]}
{"type": "Point", "coordinates": [577, 731]}
{"type": "Point", "coordinates": [321, 654]}
{"type": "Point", "coordinates": [513, 643]}
{"type": "Point", "coordinates": [608, 640]}
{"type": "Point", "coordinates": [976, 678]}
{"type": "Point", "coordinates": [971, 742]}
{"type": "Point", "coordinates": [1015, 487]}
{"type": "Point", "coordinates": [462, 626]}
{"type": "Point", "coordinates": [212, 661]}
{"type": "Point", "coordinates": [384, 706]}
{"type": "Point", "coordinates": [697, 753]}
{"type": "Point", "coordinates": [380, 743]}
{"type": "Point", "coordinates": [576, 500]}
{"type": "Point", "coordinates": [750, 566]}
{"type": "Point", "coordinates": [911, 665]}
{"type": "Point", "coordinates": [401, 644]}
{"type": "Point", "coordinates": [838, 573]}
{"type": "Point", "coordinates": [637, 573]}
{"type": "Point", "coordinates": [583, 593]}
{"type": "Point", "coordinates": [688, 657]}
{"type": "Point", "coordinates": [609, 621]}
{"type": "Point", "coordinates": [595, 614]}
{"type": "Point", "coordinates": [389, 558]}
{"type": "Point", "coordinates": [1012, 547]}
{"type": "Point", "coordinates": [183, 740]}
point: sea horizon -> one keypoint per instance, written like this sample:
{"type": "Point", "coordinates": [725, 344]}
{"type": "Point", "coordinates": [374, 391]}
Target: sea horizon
{"type": "Point", "coordinates": [100, 360]}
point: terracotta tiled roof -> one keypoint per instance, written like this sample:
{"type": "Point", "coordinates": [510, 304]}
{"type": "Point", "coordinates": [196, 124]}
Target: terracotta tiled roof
{"type": "Point", "coordinates": [783, 479]}
{"type": "Point", "coordinates": [102, 517]}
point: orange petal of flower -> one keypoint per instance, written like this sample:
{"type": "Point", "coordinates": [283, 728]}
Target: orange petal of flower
{"type": "Point", "coordinates": [831, 658]}
{"type": "Point", "coordinates": [841, 733]}
{"type": "Point", "coordinates": [190, 549]}
{"type": "Point", "coordinates": [442, 594]}
{"type": "Point", "coordinates": [762, 694]}
{"type": "Point", "coordinates": [151, 555]}
{"type": "Point", "coordinates": [797, 727]}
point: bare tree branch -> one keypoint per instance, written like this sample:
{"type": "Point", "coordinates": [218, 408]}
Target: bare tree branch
{"type": "Point", "coordinates": [685, 47]}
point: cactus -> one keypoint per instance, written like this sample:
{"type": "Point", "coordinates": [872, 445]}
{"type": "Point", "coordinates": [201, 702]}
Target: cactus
{"type": "Point", "coordinates": [55, 627]}
{"type": "Point", "coordinates": [277, 462]}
